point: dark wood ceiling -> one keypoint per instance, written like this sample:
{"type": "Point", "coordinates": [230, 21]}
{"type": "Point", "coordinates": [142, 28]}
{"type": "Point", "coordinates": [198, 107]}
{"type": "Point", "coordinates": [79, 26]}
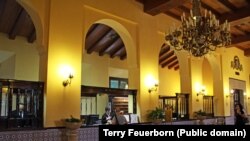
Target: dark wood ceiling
{"type": "Point", "coordinates": [237, 12]}
{"type": "Point", "coordinates": [14, 21]}
{"type": "Point", "coordinates": [101, 39]}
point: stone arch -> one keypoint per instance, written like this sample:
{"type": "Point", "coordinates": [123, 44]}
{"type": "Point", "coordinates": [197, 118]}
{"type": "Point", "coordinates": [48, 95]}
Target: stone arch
{"type": "Point", "coordinates": [40, 40]}
{"type": "Point", "coordinates": [37, 23]}
{"type": "Point", "coordinates": [131, 59]}
{"type": "Point", "coordinates": [218, 92]}
{"type": "Point", "coordinates": [184, 70]}
{"type": "Point", "coordinates": [126, 38]}
{"type": "Point", "coordinates": [168, 71]}
{"type": "Point", "coordinates": [207, 76]}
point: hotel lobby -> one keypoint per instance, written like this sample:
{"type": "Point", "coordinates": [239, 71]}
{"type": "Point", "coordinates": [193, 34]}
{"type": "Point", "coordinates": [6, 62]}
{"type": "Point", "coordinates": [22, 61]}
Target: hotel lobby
{"type": "Point", "coordinates": [61, 58]}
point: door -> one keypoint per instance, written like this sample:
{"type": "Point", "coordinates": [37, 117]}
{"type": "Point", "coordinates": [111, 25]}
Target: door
{"type": "Point", "coordinates": [238, 96]}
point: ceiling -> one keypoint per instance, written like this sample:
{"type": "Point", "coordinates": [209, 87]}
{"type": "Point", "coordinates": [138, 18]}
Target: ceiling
{"type": "Point", "coordinates": [14, 21]}
{"type": "Point", "coordinates": [101, 39]}
{"type": "Point", "coordinates": [235, 11]}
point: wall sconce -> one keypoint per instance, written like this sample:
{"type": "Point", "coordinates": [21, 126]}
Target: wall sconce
{"type": "Point", "coordinates": [201, 92]}
{"type": "Point", "coordinates": [232, 91]}
{"type": "Point", "coordinates": [154, 88]}
{"type": "Point", "coordinates": [68, 81]}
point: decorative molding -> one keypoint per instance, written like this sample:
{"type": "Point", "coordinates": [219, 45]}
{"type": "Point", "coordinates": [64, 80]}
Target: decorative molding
{"type": "Point", "coordinates": [235, 64]}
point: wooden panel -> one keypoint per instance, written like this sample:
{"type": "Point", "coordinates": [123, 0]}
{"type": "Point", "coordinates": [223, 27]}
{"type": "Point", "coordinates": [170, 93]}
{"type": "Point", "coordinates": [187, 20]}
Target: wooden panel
{"type": "Point", "coordinates": [216, 5]}
{"type": "Point", "coordinates": [25, 104]}
{"type": "Point", "coordinates": [239, 3]}
{"type": "Point", "coordinates": [120, 103]}
{"type": "Point", "coordinates": [236, 32]}
{"type": "Point", "coordinates": [15, 21]}
{"type": "Point", "coordinates": [228, 4]}
{"type": "Point", "coordinates": [155, 7]}
{"type": "Point", "coordinates": [9, 15]}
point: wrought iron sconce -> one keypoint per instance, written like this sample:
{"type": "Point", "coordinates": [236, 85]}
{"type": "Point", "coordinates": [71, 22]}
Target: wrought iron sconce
{"type": "Point", "coordinates": [68, 81]}
{"type": "Point", "coordinates": [201, 92]}
{"type": "Point", "coordinates": [155, 88]}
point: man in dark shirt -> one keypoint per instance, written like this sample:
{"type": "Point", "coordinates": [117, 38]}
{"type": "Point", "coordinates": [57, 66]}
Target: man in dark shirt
{"type": "Point", "coordinates": [106, 117]}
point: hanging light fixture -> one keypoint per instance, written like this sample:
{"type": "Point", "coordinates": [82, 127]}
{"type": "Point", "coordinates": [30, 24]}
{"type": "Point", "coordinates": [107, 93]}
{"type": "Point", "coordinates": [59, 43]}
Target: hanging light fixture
{"type": "Point", "coordinates": [199, 34]}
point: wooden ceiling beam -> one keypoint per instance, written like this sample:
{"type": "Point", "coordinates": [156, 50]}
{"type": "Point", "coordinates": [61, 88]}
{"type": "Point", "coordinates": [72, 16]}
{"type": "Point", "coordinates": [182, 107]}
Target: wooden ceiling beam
{"type": "Point", "coordinates": [123, 55]}
{"type": "Point", "coordinates": [237, 16]}
{"type": "Point", "coordinates": [247, 52]}
{"type": "Point", "coordinates": [240, 39]}
{"type": "Point", "coordinates": [103, 50]}
{"type": "Point", "coordinates": [185, 9]}
{"type": "Point", "coordinates": [176, 68]}
{"type": "Point", "coordinates": [111, 39]}
{"type": "Point", "coordinates": [204, 5]}
{"type": "Point", "coordinates": [96, 34]}
{"type": "Point", "coordinates": [164, 49]}
{"type": "Point", "coordinates": [228, 4]}
{"type": "Point", "coordinates": [98, 39]}
{"type": "Point", "coordinates": [91, 29]}
{"type": "Point", "coordinates": [173, 15]}
{"type": "Point", "coordinates": [173, 64]}
{"type": "Point", "coordinates": [113, 46]}
{"type": "Point", "coordinates": [168, 61]}
{"type": "Point", "coordinates": [18, 24]}
{"type": "Point", "coordinates": [162, 59]}
{"type": "Point", "coordinates": [154, 7]}
{"type": "Point", "coordinates": [2, 5]}
{"type": "Point", "coordinates": [32, 36]}
{"type": "Point", "coordinates": [112, 54]}
{"type": "Point", "coordinates": [238, 27]}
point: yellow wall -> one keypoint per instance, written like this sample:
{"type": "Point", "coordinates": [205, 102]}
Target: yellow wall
{"type": "Point", "coordinates": [196, 73]}
{"type": "Point", "coordinates": [169, 81]}
{"type": "Point", "coordinates": [7, 67]}
{"type": "Point", "coordinates": [96, 70]}
{"type": "Point", "coordinates": [207, 77]}
{"type": "Point", "coordinates": [118, 72]}
{"type": "Point", "coordinates": [64, 49]}
{"type": "Point", "coordinates": [228, 72]}
{"type": "Point", "coordinates": [102, 102]}
{"type": "Point", "coordinates": [26, 63]}
{"type": "Point", "coordinates": [61, 28]}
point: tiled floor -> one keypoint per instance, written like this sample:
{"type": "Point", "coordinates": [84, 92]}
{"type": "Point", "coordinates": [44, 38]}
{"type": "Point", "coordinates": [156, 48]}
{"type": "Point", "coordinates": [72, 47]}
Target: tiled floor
{"type": "Point", "coordinates": [85, 134]}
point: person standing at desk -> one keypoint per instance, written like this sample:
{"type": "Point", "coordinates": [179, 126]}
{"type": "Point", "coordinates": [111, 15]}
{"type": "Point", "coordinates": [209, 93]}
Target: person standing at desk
{"type": "Point", "coordinates": [106, 117]}
{"type": "Point", "coordinates": [119, 118]}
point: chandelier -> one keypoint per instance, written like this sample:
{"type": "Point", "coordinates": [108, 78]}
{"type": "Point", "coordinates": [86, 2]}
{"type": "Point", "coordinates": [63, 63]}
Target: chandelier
{"type": "Point", "coordinates": [199, 34]}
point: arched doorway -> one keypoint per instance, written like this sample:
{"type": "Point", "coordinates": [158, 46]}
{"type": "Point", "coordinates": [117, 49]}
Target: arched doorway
{"type": "Point", "coordinates": [106, 50]}
{"type": "Point", "coordinates": [21, 93]}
